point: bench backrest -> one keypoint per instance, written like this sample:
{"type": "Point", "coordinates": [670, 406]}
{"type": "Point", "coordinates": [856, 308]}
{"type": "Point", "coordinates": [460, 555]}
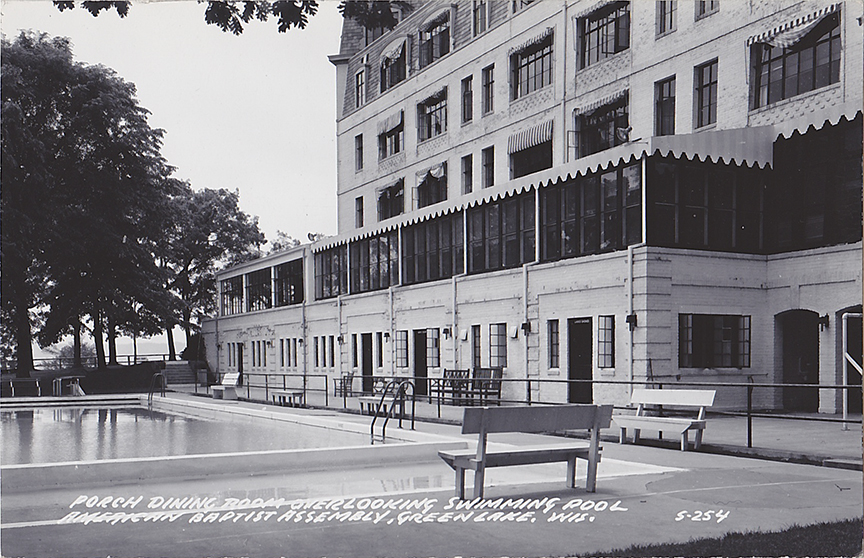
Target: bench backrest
{"type": "Point", "coordinates": [230, 379]}
{"type": "Point", "coordinates": [456, 374]}
{"type": "Point", "coordinates": [535, 418]}
{"type": "Point", "coordinates": [674, 397]}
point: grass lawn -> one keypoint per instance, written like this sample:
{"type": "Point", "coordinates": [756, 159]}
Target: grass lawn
{"type": "Point", "coordinates": [824, 539]}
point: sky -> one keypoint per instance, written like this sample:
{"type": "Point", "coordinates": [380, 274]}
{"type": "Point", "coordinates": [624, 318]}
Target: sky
{"type": "Point", "coordinates": [254, 113]}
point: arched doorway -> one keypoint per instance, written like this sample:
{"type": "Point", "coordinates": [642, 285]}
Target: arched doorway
{"type": "Point", "coordinates": [800, 359]}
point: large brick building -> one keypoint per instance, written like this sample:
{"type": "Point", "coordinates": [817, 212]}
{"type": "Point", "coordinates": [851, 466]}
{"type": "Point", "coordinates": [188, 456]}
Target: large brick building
{"type": "Point", "coordinates": [581, 189]}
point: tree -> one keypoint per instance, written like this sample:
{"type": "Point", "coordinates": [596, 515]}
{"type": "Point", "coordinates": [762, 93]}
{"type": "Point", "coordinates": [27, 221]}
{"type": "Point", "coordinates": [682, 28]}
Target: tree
{"type": "Point", "coordinates": [283, 241]}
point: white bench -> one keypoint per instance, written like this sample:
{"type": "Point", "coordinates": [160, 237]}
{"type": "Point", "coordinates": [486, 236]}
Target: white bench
{"type": "Point", "coordinates": [688, 399]}
{"type": "Point", "coordinates": [226, 389]}
{"type": "Point", "coordinates": [487, 420]}
{"type": "Point", "coordinates": [369, 403]}
{"type": "Point", "coordinates": [291, 397]}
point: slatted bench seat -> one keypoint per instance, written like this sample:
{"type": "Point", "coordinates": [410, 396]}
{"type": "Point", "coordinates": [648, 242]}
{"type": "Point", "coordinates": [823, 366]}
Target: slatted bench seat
{"type": "Point", "coordinates": [487, 420]}
{"type": "Point", "coordinates": [226, 389]}
{"type": "Point", "coordinates": [290, 397]}
{"type": "Point", "coordinates": [452, 387]}
{"type": "Point", "coordinates": [369, 403]}
{"type": "Point", "coordinates": [686, 399]}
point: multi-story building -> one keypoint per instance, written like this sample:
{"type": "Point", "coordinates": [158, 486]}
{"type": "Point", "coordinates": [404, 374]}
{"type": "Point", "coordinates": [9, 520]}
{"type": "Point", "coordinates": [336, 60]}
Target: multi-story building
{"type": "Point", "coordinates": [581, 189]}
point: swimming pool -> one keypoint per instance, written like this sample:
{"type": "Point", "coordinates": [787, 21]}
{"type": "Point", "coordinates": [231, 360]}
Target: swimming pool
{"type": "Point", "coordinates": [64, 434]}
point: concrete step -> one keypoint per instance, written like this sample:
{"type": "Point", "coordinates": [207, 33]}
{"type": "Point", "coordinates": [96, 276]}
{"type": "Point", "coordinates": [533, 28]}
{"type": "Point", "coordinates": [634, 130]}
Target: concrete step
{"type": "Point", "coordinates": [179, 372]}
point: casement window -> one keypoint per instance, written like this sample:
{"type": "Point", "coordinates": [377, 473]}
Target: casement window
{"type": "Point", "coordinates": [705, 206]}
{"type": "Point", "coordinates": [467, 99]}
{"type": "Point", "coordinates": [432, 116]}
{"type": "Point", "coordinates": [433, 347]}
{"type": "Point", "coordinates": [232, 295]}
{"type": "Point", "coordinates": [606, 342]}
{"type": "Point", "coordinates": [604, 33]}
{"type": "Point", "coordinates": [553, 343]}
{"type": "Point", "coordinates": [497, 345]}
{"type": "Point", "coordinates": [379, 349]}
{"type": "Point", "coordinates": [375, 263]}
{"type": "Point", "coordinates": [331, 272]}
{"type": "Point", "coordinates": [391, 200]}
{"type": "Point", "coordinates": [431, 186]}
{"type": "Point", "coordinates": [531, 68]}
{"type": "Point", "coordinates": [316, 357]}
{"type": "Point", "coordinates": [391, 141]}
{"type": "Point", "coordinates": [358, 212]}
{"type": "Point", "coordinates": [518, 5]}
{"type": "Point", "coordinates": [259, 354]}
{"type": "Point", "coordinates": [393, 67]}
{"type": "Point", "coordinates": [354, 354]}
{"type": "Point", "coordinates": [258, 296]}
{"type": "Point", "coordinates": [435, 39]}
{"type": "Point", "coordinates": [705, 8]}
{"type": "Point", "coordinates": [358, 152]}
{"type": "Point", "coordinates": [705, 97]}
{"type": "Point", "coordinates": [713, 341]}
{"type": "Point", "coordinates": [372, 33]}
{"type": "Point", "coordinates": [402, 348]}
{"type": "Point", "coordinates": [331, 350]}
{"type": "Point", "coordinates": [488, 89]}
{"type": "Point", "coordinates": [530, 150]}
{"type": "Point", "coordinates": [603, 127]}
{"type": "Point", "coordinates": [488, 163]}
{"type": "Point", "coordinates": [481, 15]}
{"type": "Point", "coordinates": [476, 347]}
{"type": "Point", "coordinates": [591, 214]}
{"type": "Point", "coordinates": [501, 234]}
{"type": "Point", "coordinates": [288, 280]}
{"type": "Point", "coordinates": [467, 174]}
{"type": "Point", "coordinates": [359, 89]}
{"type": "Point", "coordinates": [433, 249]}
{"type": "Point", "coordinates": [666, 13]}
{"type": "Point", "coordinates": [664, 107]}
{"type": "Point", "coordinates": [800, 60]}
{"type": "Point", "coordinates": [288, 353]}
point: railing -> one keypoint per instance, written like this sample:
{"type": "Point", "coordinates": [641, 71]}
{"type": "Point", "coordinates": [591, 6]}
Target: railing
{"type": "Point", "coordinates": [59, 363]}
{"type": "Point", "coordinates": [160, 378]}
{"type": "Point", "coordinates": [398, 391]}
{"type": "Point", "coordinates": [278, 380]}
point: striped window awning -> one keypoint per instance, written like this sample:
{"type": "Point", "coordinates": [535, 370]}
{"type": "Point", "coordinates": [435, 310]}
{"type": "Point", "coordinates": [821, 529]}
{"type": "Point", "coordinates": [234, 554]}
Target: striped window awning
{"type": "Point", "coordinates": [595, 7]}
{"type": "Point", "coordinates": [532, 41]}
{"type": "Point", "coordinates": [788, 34]}
{"type": "Point", "coordinates": [437, 18]}
{"type": "Point", "coordinates": [398, 185]}
{"type": "Point", "coordinates": [394, 49]}
{"type": "Point", "coordinates": [607, 100]}
{"type": "Point", "coordinates": [435, 171]}
{"type": "Point", "coordinates": [531, 137]}
{"type": "Point", "coordinates": [391, 122]}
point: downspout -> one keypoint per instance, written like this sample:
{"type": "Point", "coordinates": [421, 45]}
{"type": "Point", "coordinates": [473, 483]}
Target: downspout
{"type": "Point", "coordinates": [392, 333]}
{"type": "Point", "coordinates": [454, 331]}
{"type": "Point", "coordinates": [564, 91]}
{"type": "Point", "coordinates": [630, 265]}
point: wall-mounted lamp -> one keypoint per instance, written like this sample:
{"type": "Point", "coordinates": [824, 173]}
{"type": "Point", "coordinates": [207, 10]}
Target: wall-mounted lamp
{"type": "Point", "coordinates": [340, 339]}
{"type": "Point", "coordinates": [823, 321]}
{"type": "Point", "coordinates": [631, 321]}
{"type": "Point", "coordinates": [269, 344]}
{"type": "Point", "coordinates": [386, 336]}
{"type": "Point", "coordinates": [526, 327]}
{"type": "Point", "coordinates": [446, 332]}
{"type": "Point", "coordinates": [300, 341]}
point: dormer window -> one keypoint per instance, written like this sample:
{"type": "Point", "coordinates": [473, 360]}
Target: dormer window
{"type": "Point", "coordinates": [435, 39]}
{"type": "Point", "coordinates": [393, 65]}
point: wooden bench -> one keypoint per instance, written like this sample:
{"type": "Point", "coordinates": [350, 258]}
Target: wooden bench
{"type": "Point", "coordinates": [291, 397]}
{"type": "Point", "coordinates": [369, 403]}
{"type": "Point", "coordinates": [452, 386]}
{"type": "Point", "coordinates": [485, 386]}
{"type": "Point", "coordinates": [226, 389]}
{"type": "Point", "coordinates": [487, 420]}
{"type": "Point", "coordinates": [344, 385]}
{"type": "Point", "coordinates": [687, 399]}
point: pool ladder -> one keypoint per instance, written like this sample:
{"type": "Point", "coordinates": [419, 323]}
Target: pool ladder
{"type": "Point", "coordinates": [397, 392]}
{"type": "Point", "coordinates": [160, 377]}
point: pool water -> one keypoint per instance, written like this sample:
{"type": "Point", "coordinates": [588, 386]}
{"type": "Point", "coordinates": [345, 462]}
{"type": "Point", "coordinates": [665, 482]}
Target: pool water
{"type": "Point", "coordinates": [51, 435]}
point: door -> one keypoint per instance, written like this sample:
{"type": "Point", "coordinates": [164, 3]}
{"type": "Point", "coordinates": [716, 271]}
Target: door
{"type": "Point", "coordinates": [800, 360]}
{"type": "Point", "coordinates": [420, 371]}
{"type": "Point", "coordinates": [239, 364]}
{"type": "Point", "coordinates": [854, 349]}
{"type": "Point", "coordinates": [580, 366]}
{"type": "Point", "coordinates": [366, 362]}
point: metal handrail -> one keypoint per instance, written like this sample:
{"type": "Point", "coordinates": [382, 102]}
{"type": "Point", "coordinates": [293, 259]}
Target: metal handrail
{"type": "Point", "coordinates": [399, 397]}
{"type": "Point", "coordinates": [162, 384]}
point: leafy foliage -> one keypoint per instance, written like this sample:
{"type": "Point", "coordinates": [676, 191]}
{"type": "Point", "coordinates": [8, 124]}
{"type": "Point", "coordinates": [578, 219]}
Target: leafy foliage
{"type": "Point", "coordinates": [283, 242]}
{"type": "Point", "coordinates": [372, 13]}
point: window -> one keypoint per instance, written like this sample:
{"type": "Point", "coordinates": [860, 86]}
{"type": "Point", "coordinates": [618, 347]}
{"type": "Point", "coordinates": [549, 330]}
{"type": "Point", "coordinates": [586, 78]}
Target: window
{"type": "Point", "coordinates": [604, 33]}
{"type": "Point", "coordinates": [435, 40]}
{"type": "Point", "coordinates": [374, 263]}
{"type": "Point", "coordinates": [359, 88]}
{"type": "Point", "coordinates": [432, 188]}
{"type": "Point", "coordinates": [258, 290]}
{"type": "Point", "coordinates": [706, 94]}
{"type": "Point", "coordinates": [433, 249]}
{"type": "Point", "coordinates": [432, 116]}
{"type": "Point", "coordinates": [520, 4]}
{"type": "Point", "coordinates": [606, 342]}
{"type": "Point", "coordinates": [488, 89]}
{"type": "Point", "coordinates": [372, 33]}
{"type": "Point", "coordinates": [602, 128]}
{"type": "Point", "coordinates": [476, 347]}
{"type": "Point", "coordinates": [331, 346]}
{"type": "Point", "coordinates": [354, 355]}
{"type": "Point", "coordinates": [391, 142]}
{"type": "Point", "coordinates": [488, 161]}
{"type": "Point", "coordinates": [358, 152]}
{"type": "Point", "coordinates": [315, 352]}
{"type": "Point", "coordinates": [785, 68]}
{"type": "Point", "coordinates": [481, 16]}
{"type": "Point", "coordinates": [591, 214]}
{"type": "Point", "coordinates": [713, 341]}
{"type": "Point", "coordinates": [358, 212]}
{"type": "Point", "coordinates": [666, 16]}
{"type": "Point", "coordinates": [664, 107]}
{"type": "Point", "coordinates": [379, 349]}
{"type": "Point", "coordinates": [705, 8]}
{"type": "Point", "coordinates": [501, 234]}
{"type": "Point", "coordinates": [402, 349]}
{"type": "Point", "coordinates": [467, 174]}
{"type": "Point", "coordinates": [531, 160]}
{"type": "Point", "coordinates": [391, 200]}
{"type": "Point", "coordinates": [331, 272]}
{"type": "Point", "coordinates": [288, 281]}
{"type": "Point", "coordinates": [467, 99]}
{"type": "Point", "coordinates": [393, 69]}
{"type": "Point", "coordinates": [232, 296]}
{"type": "Point", "coordinates": [433, 347]}
{"type": "Point", "coordinates": [531, 69]}
{"type": "Point", "coordinates": [497, 345]}
{"type": "Point", "coordinates": [553, 343]}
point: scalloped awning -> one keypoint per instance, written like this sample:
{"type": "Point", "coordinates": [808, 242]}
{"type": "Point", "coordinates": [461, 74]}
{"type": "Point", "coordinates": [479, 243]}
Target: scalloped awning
{"type": "Point", "coordinates": [531, 137]}
{"type": "Point", "coordinates": [394, 49]}
{"type": "Point", "coordinates": [752, 146]}
{"type": "Point", "coordinates": [791, 32]}
{"type": "Point", "coordinates": [532, 41]}
{"type": "Point", "coordinates": [606, 100]}
{"type": "Point", "coordinates": [391, 122]}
